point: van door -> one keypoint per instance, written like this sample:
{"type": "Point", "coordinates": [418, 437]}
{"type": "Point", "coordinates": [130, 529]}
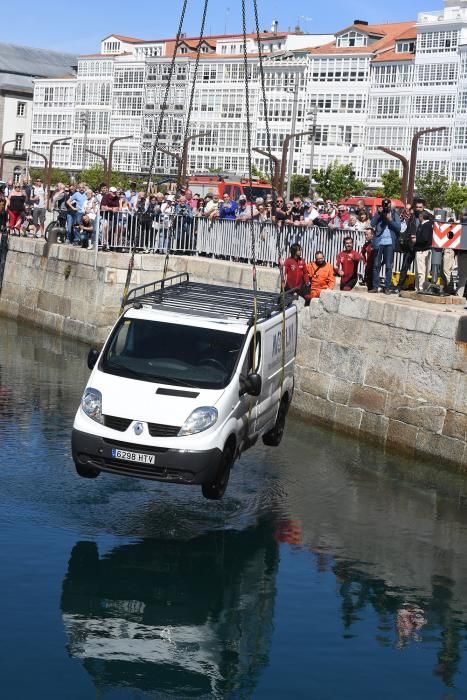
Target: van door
{"type": "Point", "coordinates": [249, 404]}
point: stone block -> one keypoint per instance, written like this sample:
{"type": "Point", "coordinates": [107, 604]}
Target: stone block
{"type": "Point", "coordinates": [460, 357]}
{"type": "Point", "coordinates": [320, 327]}
{"type": "Point", "coordinates": [372, 400]}
{"type": "Point", "coordinates": [316, 309]}
{"type": "Point", "coordinates": [389, 373]}
{"type": "Point", "coordinates": [446, 325]}
{"type": "Point", "coordinates": [455, 425]}
{"type": "Point", "coordinates": [406, 344]}
{"type": "Point", "coordinates": [439, 352]}
{"type": "Point", "coordinates": [460, 403]}
{"type": "Point", "coordinates": [309, 406]}
{"type": "Point", "coordinates": [426, 320]}
{"type": "Point", "coordinates": [374, 426]}
{"type": "Point", "coordinates": [308, 351]}
{"type": "Point", "coordinates": [339, 391]}
{"type": "Point", "coordinates": [390, 313]}
{"type": "Point", "coordinates": [343, 362]}
{"type": "Point", "coordinates": [373, 336]}
{"type": "Point", "coordinates": [348, 419]}
{"type": "Point", "coordinates": [406, 317]}
{"type": "Point", "coordinates": [434, 385]}
{"type": "Point", "coordinates": [430, 418]}
{"type": "Point", "coordinates": [446, 449]}
{"type": "Point", "coordinates": [346, 331]}
{"type": "Point", "coordinates": [314, 383]}
{"type": "Point", "coordinates": [330, 301]}
{"type": "Point", "coordinates": [354, 305]}
{"type": "Point", "coordinates": [401, 437]}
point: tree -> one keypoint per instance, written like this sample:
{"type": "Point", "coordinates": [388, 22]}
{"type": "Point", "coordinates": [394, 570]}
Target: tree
{"type": "Point", "coordinates": [392, 184]}
{"type": "Point", "coordinates": [58, 175]}
{"type": "Point", "coordinates": [456, 197]}
{"type": "Point", "coordinates": [337, 181]}
{"type": "Point", "coordinates": [433, 188]}
{"type": "Point", "coordinates": [300, 185]}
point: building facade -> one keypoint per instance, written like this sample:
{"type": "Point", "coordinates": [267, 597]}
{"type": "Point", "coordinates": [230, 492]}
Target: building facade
{"type": "Point", "coordinates": [364, 87]}
{"type": "Point", "coordinates": [19, 65]}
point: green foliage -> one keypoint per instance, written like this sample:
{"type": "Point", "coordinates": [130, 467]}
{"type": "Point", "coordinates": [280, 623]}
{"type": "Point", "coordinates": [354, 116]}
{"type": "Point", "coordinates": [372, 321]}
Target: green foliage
{"type": "Point", "coordinates": [337, 182]}
{"type": "Point", "coordinates": [58, 175]}
{"type": "Point", "coordinates": [433, 188]}
{"type": "Point", "coordinates": [94, 176]}
{"type": "Point", "coordinates": [392, 184]}
{"type": "Point", "coordinates": [300, 186]}
{"type": "Point", "coordinates": [215, 171]}
{"type": "Point", "coordinates": [456, 197]}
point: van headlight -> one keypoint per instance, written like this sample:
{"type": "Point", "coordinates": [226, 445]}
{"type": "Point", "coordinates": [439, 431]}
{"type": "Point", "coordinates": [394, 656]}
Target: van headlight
{"type": "Point", "coordinates": [201, 419]}
{"type": "Point", "coordinates": [91, 403]}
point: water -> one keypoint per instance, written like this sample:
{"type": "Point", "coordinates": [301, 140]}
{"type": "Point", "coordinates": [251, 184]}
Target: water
{"type": "Point", "coordinates": [293, 586]}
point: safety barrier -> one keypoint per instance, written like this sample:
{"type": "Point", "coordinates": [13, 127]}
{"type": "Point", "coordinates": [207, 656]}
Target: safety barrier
{"type": "Point", "coordinates": [220, 238]}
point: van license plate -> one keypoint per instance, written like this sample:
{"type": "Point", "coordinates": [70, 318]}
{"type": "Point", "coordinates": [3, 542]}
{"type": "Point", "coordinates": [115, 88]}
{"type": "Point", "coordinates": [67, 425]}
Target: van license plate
{"type": "Point", "coordinates": [133, 456]}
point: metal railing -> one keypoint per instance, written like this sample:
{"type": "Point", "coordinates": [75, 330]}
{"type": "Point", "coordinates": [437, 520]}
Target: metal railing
{"type": "Point", "coordinates": [219, 238]}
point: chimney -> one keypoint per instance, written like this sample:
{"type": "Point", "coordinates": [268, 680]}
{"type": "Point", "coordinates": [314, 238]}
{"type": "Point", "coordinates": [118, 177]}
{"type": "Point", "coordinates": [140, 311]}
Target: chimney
{"type": "Point", "coordinates": [361, 21]}
{"type": "Point", "coordinates": [274, 26]}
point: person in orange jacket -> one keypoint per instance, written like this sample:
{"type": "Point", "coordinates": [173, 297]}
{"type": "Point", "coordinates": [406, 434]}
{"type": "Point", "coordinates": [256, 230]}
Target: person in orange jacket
{"type": "Point", "coordinates": [321, 276]}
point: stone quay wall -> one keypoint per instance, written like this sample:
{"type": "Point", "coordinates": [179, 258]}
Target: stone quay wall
{"type": "Point", "coordinates": [386, 369]}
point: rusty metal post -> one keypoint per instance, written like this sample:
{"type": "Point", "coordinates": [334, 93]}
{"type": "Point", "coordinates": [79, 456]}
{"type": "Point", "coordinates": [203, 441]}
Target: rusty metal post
{"type": "Point", "coordinates": [405, 170]}
{"type": "Point", "coordinates": [99, 155]}
{"type": "Point", "coordinates": [181, 180]}
{"type": "Point", "coordinates": [277, 167]}
{"type": "Point", "coordinates": [2, 154]}
{"type": "Point", "coordinates": [413, 158]}
{"type": "Point", "coordinates": [285, 150]}
{"type": "Point", "coordinates": [111, 152]}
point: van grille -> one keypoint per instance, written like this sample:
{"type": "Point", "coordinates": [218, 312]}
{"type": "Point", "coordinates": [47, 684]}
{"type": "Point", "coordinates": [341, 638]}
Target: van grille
{"type": "Point", "coordinates": [159, 430]}
{"type": "Point", "coordinates": [120, 424]}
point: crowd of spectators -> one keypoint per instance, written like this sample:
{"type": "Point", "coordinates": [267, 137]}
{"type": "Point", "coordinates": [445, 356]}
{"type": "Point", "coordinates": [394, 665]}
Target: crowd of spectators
{"type": "Point", "coordinates": [149, 218]}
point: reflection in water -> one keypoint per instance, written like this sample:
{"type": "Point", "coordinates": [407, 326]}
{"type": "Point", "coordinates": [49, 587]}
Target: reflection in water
{"type": "Point", "coordinates": [324, 552]}
{"type": "Point", "coordinates": [188, 618]}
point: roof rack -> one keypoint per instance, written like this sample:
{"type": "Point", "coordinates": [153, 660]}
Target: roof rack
{"type": "Point", "coordinates": [179, 294]}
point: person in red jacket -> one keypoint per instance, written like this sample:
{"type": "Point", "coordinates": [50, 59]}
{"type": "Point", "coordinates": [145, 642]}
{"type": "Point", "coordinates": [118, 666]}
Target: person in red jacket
{"type": "Point", "coordinates": [347, 265]}
{"type": "Point", "coordinates": [295, 270]}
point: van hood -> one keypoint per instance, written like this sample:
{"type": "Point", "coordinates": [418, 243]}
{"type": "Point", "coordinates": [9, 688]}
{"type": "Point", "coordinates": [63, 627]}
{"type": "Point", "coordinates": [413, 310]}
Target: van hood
{"type": "Point", "coordinates": [143, 401]}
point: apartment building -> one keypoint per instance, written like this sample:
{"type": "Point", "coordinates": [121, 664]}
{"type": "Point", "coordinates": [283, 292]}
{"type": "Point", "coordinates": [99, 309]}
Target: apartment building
{"type": "Point", "coordinates": [366, 86]}
{"type": "Point", "coordinates": [19, 65]}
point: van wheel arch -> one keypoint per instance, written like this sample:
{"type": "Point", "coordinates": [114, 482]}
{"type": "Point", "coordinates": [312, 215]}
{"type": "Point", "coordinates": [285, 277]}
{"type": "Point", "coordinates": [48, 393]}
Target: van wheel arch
{"type": "Point", "coordinates": [273, 437]}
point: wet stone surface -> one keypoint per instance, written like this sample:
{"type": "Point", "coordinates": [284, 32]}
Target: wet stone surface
{"type": "Point", "coordinates": [329, 571]}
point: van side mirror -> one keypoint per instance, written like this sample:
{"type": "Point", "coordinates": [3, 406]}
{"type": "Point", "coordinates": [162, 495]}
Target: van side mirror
{"type": "Point", "coordinates": [251, 385]}
{"type": "Point", "coordinates": [93, 356]}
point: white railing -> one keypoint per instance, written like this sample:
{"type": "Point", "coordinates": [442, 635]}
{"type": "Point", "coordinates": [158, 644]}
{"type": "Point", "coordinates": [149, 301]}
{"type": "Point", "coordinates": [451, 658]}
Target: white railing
{"type": "Point", "coordinates": [224, 239]}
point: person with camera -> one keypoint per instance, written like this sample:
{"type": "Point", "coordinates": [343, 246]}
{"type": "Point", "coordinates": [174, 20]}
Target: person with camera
{"type": "Point", "coordinates": [387, 226]}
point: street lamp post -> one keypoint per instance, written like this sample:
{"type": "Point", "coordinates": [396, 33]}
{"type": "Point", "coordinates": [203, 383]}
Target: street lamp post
{"type": "Point", "coordinates": [405, 170]}
{"type": "Point", "coordinates": [285, 150]}
{"type": "Point", "coordinates": [2, 154]}
{"type": "Point", "coordinates": [84, 119]}
{"type": "Point", "coordinates": [48, 175]}
{"type": "Point", "coordinates": [99, 155]}
{"type": "Point", "coordinates": [294, 126]}
{"type": "Point", "coordinates": [176, 156]}
{"type": "Point", "coordinates": [181, 180]}
{"type": "Point", "coordinates": [277, 167]}
{"type": "Point", "coordinates": [413, 158]}
{"type": "Point", "coordinates": [111, 152]}
{"type": "Point", "coordinates": [312, 146]}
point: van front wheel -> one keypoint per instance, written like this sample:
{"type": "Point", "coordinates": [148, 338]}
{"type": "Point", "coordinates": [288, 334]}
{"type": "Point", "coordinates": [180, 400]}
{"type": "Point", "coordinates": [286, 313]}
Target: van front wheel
{"type": "Point", "coordinates": [215, 489]}
{"type": "Point", "coordinates": [273, 437]}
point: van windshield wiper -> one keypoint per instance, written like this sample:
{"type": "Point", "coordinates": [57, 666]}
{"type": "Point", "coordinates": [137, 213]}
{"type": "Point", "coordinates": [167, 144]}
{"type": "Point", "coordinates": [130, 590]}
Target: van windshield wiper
{"type": "Point", "coordinates": [125, 370]}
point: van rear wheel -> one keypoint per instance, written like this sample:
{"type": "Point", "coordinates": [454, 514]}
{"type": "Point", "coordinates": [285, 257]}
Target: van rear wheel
{"type": "Point", "coordinates": [274, 437]}
{"type": "Point", "coordinates": [215, 489]}
{"type": "Point", "coordinates": [87, 472]}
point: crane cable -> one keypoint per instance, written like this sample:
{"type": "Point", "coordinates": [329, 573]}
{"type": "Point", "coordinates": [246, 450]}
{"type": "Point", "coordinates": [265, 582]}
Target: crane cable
{"type": "Point", "coordinates": [186, 133]}
{"type": "Point", "coordinates": [280, 259]}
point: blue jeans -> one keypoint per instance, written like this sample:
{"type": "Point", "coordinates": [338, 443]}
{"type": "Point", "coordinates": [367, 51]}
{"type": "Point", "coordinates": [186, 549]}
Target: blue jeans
{"type": "Point", "coordinates": [383, 255]}
{"type": "Point", "coordinates": [73, 218]}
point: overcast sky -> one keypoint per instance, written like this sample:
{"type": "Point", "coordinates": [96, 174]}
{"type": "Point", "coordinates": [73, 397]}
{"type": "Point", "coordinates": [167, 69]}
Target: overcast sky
{"type": "Point", "coordinates": [78, 27]}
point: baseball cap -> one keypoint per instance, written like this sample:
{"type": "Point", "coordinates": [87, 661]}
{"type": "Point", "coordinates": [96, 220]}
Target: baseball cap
{"type": "Point", "coordinates": [112, 189]}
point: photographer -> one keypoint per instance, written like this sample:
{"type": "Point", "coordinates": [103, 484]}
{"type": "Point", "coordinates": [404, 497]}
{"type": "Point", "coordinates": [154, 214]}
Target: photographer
{"type": "Point", "coordinates": [387, 226]}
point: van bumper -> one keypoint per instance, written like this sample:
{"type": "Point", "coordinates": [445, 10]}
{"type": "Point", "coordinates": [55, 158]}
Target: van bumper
{"type": "Point", "coordinates": [175, 466]}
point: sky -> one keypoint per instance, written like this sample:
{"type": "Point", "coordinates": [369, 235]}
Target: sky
{"type": "Point", "coordinates": [80, 30]}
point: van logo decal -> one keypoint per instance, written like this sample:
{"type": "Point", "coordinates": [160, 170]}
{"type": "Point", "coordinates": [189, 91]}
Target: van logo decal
{"type": "Point", "coordinates": [139, 427]}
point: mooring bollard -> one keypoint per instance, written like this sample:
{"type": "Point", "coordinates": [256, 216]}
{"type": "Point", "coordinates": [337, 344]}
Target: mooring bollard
{"type": "Point", "coordinates": [3, 254]}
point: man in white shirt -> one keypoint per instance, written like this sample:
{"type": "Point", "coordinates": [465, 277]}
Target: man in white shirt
{"type": "Point", "coordinates": [38, 210]}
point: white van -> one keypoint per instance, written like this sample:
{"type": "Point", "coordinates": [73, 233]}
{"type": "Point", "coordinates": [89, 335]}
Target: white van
{"type": "Point", "coordinates": [177, 394]}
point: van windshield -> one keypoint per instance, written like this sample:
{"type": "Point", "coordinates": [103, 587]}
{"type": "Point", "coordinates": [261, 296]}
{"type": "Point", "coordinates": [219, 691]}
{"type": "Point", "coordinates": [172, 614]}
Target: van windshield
{"type": "Point", "coordinates": [172, 354]}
